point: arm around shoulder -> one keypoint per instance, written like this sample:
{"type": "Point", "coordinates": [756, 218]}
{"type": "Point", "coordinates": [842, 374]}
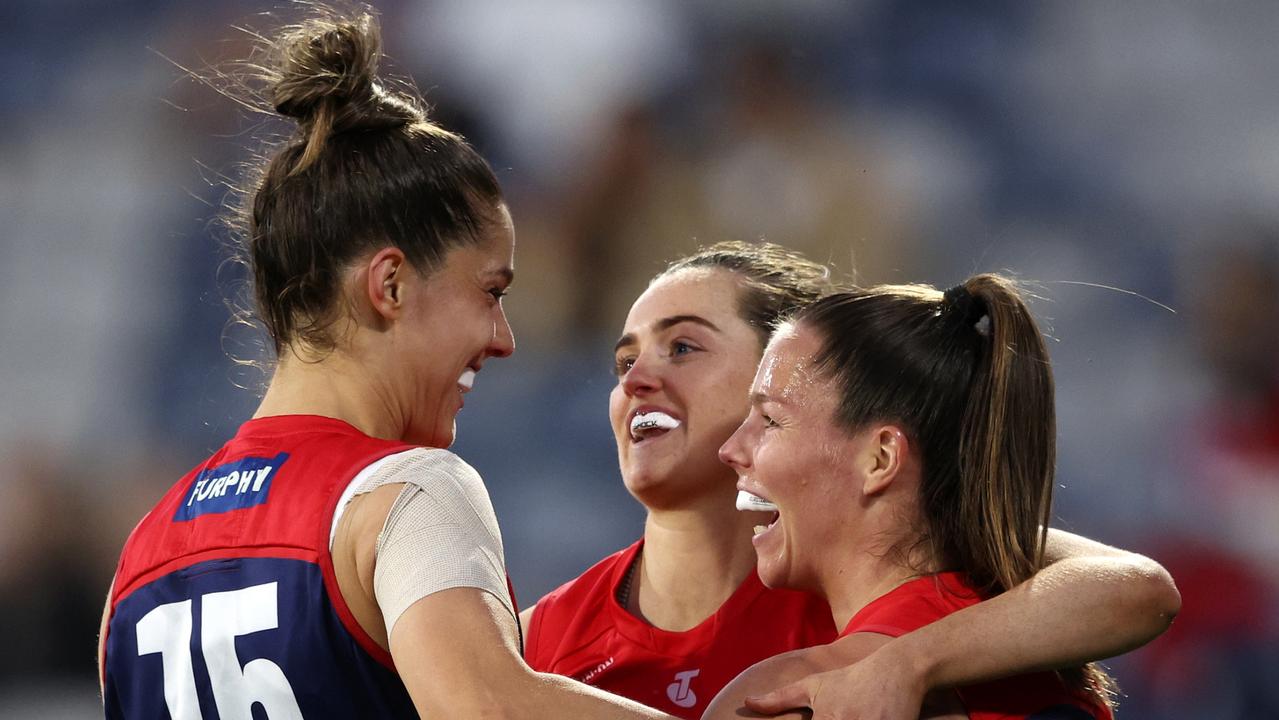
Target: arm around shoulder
{"type": "Point", "coordinates": [1091, 602]}
{"type": "Point", "coordinates": [849, 678]}
{"type": "Point", "coordinates": [762, 677]}
{"type": "Point", "coordinates": [1147, 594]}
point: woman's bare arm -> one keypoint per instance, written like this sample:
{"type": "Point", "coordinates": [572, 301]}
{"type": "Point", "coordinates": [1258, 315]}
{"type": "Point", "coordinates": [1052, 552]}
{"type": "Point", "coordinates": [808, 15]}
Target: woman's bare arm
{"type": "Point", "coordinates": [1092, 602]}
{"type": "Point", "coordinates": [456, 652]}
{"type": "Point", "coordinates": [813, 662]}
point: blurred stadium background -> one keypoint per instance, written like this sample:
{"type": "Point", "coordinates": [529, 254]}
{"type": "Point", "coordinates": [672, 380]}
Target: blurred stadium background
{"type": "Point", "coordinates": [1132, 145]}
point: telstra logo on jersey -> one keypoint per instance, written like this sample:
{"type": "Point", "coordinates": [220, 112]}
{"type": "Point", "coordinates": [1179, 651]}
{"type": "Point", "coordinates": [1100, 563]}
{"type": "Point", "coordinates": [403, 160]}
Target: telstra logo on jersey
{"type": "Point", "coordinates": [233, 486]}
{"type": "Point", "coordinates": [680, 692]}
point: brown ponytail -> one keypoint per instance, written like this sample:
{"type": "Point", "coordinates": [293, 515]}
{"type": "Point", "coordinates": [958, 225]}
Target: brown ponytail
{"type": "Point", "coordinates": [966, 375]}
{"type": "Point", "coordinates": [1007, 441]}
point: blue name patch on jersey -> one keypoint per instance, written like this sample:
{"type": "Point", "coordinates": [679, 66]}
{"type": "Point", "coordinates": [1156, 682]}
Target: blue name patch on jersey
{"type": "Point", "coordinates": [233, 486]}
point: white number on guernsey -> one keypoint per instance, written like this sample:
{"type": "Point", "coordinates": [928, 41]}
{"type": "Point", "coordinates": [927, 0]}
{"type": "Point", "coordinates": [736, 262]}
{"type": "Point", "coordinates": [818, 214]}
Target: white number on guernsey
{"type": "Point", "coordinates": [167, 630]}
{"type": "Point", "coordinates": [227, 615]}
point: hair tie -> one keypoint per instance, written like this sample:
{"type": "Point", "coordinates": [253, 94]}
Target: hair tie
{"type": "Point", "coordinates": [962, 304]}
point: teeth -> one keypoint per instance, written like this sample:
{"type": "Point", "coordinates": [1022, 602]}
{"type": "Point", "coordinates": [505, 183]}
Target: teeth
{"type": "Point", "coordinates": [653, 419]}
{"type": "Point", "coordinates": [760, 528]}
{"type": "Point", "coordinates": [747, 501]}
{"type": "Point", "coordinates": [466, 379]}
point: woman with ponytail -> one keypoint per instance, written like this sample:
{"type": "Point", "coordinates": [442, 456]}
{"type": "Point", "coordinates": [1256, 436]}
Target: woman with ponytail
{"type": "Point", "coordinates": [673, 618]}
{"type": "Point", "coordinates": [906, 438]}
{"type": "Point", "coordinates": [333, 560]}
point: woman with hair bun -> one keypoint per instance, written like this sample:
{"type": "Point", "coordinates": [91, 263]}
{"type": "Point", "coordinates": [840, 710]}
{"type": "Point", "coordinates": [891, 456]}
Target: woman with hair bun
{"type": "Point", "coordinates": [332, 559]}
{"type": "Point", "coordinates": [906, 438]}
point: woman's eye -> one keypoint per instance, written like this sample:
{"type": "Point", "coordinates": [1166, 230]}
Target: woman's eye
{"type": "Point", "coordinates": [769, 422]}
{"type": "Point", "coordinates": [680, 347]}
{"type": "Point", "coordinates": [622, 365]}
{"type": "Point", "coordinates": [498, 293]}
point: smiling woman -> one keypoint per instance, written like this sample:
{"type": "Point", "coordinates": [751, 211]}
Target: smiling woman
{"type": "Point", "coordinates": [337, 561]}
{"type": "Point", "coordinates": [665, 347]}
{"type": "Point", "coordinates": [906, 437]}
{"type": "Point", "coordinates": [673, 618]}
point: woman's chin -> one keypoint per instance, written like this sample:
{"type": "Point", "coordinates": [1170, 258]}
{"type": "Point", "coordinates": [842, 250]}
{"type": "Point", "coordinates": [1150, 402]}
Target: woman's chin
{"type": "Point", "coordinates": [441, 436]}
{"type": "Point", "coordinates": [659, 488]}
{"type": "Point", "coordinates": [773, 564]}
{"type": "Point", "coordinates": [646, 486]}
{"type": "Point", "coordinates": [770, 574]}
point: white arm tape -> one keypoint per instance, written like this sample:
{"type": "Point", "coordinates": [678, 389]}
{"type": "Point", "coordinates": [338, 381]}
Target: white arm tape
{"type": "Point", "coordinates": [440, 533]}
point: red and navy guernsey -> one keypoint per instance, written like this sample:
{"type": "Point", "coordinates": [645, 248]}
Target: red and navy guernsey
{"type": "Point", "coordinates": [225, 604]}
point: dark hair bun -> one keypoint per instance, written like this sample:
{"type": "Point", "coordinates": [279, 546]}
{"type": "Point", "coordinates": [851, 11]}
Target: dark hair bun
{"type": "Point", "coordinates": [326, 77]}
{"type": "Point", "coordinates": [324, 61]}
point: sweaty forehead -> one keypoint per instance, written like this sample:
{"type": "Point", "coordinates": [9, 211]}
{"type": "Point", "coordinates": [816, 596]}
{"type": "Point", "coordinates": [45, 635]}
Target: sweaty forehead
{"type": "Point", "coordinates": [499, 240]}
{"type": "Point", "coordinates": [787, 372]}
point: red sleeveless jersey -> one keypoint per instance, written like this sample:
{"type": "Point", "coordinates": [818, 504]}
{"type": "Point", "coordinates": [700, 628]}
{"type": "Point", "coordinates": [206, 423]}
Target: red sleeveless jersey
{"type": "Point", "coordinates": [1037, 696]}
{"type": "Point", "coordinates": [580, 630]}
{"type": "Point", "coordinates": [225, 595]}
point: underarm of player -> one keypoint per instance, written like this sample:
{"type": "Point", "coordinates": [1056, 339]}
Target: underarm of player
{"type": "Point", "coordinates": [526, 622]}
{"type": "Point", "coordinates": [456, 652]}
{"type": "Point", "coordinates": [1090, 603]}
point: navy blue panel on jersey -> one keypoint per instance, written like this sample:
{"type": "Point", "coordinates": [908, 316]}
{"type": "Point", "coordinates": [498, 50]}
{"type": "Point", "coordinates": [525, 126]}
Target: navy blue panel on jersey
{"type": "Point", "coordinates": [233, 486]}
{"type": "Point", "coordinates": [260, 623]}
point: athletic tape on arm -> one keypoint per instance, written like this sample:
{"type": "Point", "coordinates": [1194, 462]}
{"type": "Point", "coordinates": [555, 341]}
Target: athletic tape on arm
{"type": "Point", "coordinates": [440, 533]}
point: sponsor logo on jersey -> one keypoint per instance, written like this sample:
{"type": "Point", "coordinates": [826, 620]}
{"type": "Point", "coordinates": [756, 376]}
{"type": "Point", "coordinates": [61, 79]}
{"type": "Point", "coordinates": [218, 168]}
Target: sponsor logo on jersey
{"type": "Point", "coordinates": [233, 486]}
{"type": "Point", "coordinates": [680, 692]}
{"type": "Point", "coordinates": [594, 672]}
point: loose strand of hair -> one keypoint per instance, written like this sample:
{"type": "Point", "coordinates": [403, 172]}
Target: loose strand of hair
{"type": "Point", "coordinates": [318, 133]}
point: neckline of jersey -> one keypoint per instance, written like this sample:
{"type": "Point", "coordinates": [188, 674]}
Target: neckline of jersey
{"type": "Point", "coordinates": [671, 642]}
{"type": "Point", "coordinates": [285, 424]}
{"type": "Point", "coordinates": [950, 582]}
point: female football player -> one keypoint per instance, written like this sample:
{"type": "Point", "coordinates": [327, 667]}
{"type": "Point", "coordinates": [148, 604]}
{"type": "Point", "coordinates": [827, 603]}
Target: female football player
{"type": "Point", "coordinates": [671, 619]}
{"type": "Point", "coordinates": [331, 559]}
{"type": "Point", "coordinates": [906, 439]}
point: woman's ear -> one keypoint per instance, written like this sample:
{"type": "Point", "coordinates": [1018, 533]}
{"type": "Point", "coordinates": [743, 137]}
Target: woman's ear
{"type": "Point", "coordinates": [385, 282]}
{"type": "Point", "coordinates": [883, 458]}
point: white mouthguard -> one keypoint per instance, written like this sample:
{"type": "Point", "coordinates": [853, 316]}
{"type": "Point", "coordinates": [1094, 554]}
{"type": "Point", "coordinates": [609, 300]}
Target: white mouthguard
{"type": "Point", "coordinates": [467, 378]}
{"type": "Point", "coordinates": [654, 419]}
{"type": "Point", "coordinates": [747, 501]}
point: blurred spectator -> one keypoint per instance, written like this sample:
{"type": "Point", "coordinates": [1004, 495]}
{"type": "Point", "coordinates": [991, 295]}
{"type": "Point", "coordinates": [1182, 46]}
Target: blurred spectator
{"type": "Point", "coordinates": [1224, 548]}
{"type": "Point", "coordinates": [1235, 306]}
{"type": "Point", "coordinates": [758, 154]}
